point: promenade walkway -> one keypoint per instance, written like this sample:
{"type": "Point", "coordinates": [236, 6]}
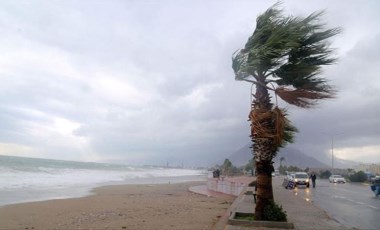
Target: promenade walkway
{"type": "Point", "coordinates": [303, 214]}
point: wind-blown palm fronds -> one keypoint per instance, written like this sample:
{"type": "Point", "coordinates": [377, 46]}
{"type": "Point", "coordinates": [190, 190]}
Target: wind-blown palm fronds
{"type": "Point", "coordinates": [288, 51]}
{"type": "Point", "coordinates": [302, 97]}
{"type": "Point", "coordinates": [283, 129]}
{"type": "Point", "coordinates": [285, 55]}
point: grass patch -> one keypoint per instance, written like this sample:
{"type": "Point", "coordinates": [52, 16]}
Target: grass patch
{"type": "Point", "coordinates": [244, 216]}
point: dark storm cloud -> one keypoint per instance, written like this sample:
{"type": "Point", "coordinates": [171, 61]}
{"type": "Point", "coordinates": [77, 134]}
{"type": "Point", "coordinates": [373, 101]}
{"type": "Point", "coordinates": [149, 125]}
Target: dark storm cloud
{"type": "Point", "coordinates": [352, 118]}
{"type": "Point", "coordinates": [151, 81]}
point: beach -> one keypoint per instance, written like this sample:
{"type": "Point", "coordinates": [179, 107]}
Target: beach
{"type": "Point", "coordinates": [141, 206]}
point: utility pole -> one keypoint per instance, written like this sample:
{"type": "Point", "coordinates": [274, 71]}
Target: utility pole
{"type": "Point", "coordinates": [332, 154]}
{"type": "Point", "coordinates": [332, 149]}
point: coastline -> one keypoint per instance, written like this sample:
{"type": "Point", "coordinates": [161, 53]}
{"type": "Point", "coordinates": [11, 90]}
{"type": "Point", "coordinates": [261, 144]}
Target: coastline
{"type": "Point", "coordinates": [44, 193]}
{"type": "Point", "coordinates": [127, 206]}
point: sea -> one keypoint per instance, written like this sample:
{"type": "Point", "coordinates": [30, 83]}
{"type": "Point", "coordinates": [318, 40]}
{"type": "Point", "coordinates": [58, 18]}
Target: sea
{"type": "Point", "coordinates": [32, 179]}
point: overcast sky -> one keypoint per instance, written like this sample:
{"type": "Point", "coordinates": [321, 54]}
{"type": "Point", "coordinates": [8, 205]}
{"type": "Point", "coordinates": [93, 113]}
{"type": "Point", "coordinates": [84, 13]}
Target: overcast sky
{"type": "Point", "coordinates": [150, 82]}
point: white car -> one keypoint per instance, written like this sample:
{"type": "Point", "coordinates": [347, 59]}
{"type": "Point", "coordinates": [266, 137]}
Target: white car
{"type": "Point", "coordinates": [337, 179]}
{"type": "Point", "coordinates": [301, 178]}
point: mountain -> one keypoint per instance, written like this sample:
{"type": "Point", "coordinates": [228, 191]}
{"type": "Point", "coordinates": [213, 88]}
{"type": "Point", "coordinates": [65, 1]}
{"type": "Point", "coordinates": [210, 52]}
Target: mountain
{"type": "Point", "coordinates": [241, 156]}
{"type": "Point", "coordinates": [292, 157]}
{"type": "Point", "coordinates": [297, 158]}
{"type": "Point", "coordinates": [338, 163]}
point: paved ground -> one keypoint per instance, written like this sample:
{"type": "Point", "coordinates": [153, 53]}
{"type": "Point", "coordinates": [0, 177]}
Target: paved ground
{"type": "Point", "coordinates": [303, 214]}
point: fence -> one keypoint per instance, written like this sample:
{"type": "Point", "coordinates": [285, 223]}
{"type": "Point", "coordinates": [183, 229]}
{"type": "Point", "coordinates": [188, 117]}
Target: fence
{"type": "Point", "coordinates": [226, 186]}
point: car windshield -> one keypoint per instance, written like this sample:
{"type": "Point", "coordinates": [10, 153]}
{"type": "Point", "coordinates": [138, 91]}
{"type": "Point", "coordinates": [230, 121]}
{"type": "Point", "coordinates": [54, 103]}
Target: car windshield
{"type": "Point", "coordinates": [301, 176]}
{"type": "Point", "coordinates": [337, 176]}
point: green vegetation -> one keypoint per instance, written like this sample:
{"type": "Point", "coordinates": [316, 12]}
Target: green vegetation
{"type": "Point", "coordinates": [284, 55]}
{"type": "Point", "coordinates": [250, 166]}
{"type": "Point", "coordinates": [358, 177]}
{"type": "Point", "coordinates": [228, 169]}
{"type": "Point", "coordinates": [245, 217]}
{"type": "Point", "coordinates": [274, 212]}
{"type": "Point", "coordinates": [324, 174]}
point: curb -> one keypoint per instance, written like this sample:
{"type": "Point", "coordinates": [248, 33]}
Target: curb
{"type": "Point", "coordinates": [256, 223]}
{"type": "Point", "coordinates": [241, 203]}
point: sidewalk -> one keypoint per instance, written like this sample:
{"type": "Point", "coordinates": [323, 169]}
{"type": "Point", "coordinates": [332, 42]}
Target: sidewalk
{"type": "Point", "coordinates": [303, 214]}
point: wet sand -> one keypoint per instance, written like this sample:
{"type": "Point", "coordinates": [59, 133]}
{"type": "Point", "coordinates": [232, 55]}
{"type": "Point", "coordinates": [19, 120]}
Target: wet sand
{"type": "Point", "coordinates": [159, 206]}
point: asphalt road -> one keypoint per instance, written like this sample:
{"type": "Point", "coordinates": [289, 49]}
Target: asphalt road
{"type": "Point", "coordinates": [352, 204]}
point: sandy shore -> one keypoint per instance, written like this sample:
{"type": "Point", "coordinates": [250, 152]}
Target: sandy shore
{"type": "Point", "coordinates": [167, 206]}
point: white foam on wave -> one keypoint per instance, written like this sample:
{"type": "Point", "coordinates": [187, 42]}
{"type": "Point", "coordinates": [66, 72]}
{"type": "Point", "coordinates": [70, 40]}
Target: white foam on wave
{"type": "Point", "coordinates": [27, 179]}
{"type": "Point", "coordinates": [48, 177]}
{"type": "Point", "coordinates": [17, 186]}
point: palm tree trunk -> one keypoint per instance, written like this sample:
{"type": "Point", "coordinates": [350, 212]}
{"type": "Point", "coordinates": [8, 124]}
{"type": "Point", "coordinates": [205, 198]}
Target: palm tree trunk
{"type": "Point", "coordinates": [264, 193]}
{"type": "Point", "coordinates": [262, 129]}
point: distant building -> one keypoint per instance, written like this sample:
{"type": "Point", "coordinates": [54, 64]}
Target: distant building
{"type": "Point", "coordinates": [369, 168]}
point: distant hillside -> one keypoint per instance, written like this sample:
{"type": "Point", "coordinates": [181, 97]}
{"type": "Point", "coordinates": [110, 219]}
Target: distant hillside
{"type": "Point", "coordinates": [241, 156]}
{"type": "Point", "coordinates": [292, 157]}
{"type": "Point", "coordinates": [338, 163]}
{"type": "Point", "coordinates": [297, 158]}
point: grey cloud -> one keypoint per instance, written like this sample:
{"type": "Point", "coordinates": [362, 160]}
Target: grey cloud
{"type": "Point", "coordinates": [172, 94]}
{"type": "Point", "coordinates": [353, 114]}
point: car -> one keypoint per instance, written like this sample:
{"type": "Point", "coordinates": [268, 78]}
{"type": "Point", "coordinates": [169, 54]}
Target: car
{"type": "Point", "coordinates": [301, 178]}
{"type": "Point", "coordinates": [337, 179]}
{"type": "Point", "coordinates": [375, 179]}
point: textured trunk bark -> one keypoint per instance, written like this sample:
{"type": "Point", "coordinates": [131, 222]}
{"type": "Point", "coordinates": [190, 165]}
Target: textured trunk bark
{"type": "Point", "coordinates": [263, 148]}
{"type": "Point", "coordinates": [264, 193]}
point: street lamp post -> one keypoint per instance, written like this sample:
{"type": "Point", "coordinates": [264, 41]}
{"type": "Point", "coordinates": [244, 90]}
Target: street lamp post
{"type": "Point", "coordinates": [332, 154]}
{"type": "Point", "coordinates": [332, 149]}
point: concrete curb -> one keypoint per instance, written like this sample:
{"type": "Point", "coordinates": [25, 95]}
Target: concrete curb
{"type": "Point", "coordinates": [244, 205]}
{"type": "Point", "coordinates": [255, 223]}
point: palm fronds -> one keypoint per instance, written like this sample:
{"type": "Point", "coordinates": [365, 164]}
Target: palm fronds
{"type": "Point", "coordinates": [239, 65]}
{"type": "Point", "coordinates": [290, 52]}
{"type": "Point", "coordinates": [260, 118]}
{"type": "Point", "coordinates": [283, 129]}
{"type": "Point", "coordinates": [272, 124]}
{"type": "Point", "coordinates": [302, 97]}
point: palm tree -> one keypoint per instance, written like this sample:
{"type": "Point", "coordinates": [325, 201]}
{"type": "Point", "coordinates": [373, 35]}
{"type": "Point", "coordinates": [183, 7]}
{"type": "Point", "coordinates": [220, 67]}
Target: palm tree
{"type": "Point", "coordinates": [284, 55]}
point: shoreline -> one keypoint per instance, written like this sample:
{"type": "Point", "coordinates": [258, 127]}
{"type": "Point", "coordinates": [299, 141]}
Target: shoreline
{"type": "Point", "coordinates": [45, 194]}
{"type": "Point", "coordinates": [130, 206]}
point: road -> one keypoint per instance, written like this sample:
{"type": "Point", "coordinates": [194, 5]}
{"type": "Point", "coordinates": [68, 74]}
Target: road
{"type": "Point", "coordinates": [352, 204]}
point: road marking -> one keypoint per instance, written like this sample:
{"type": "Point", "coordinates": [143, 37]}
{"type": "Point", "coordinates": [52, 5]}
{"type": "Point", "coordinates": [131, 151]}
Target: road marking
{"type": "Point", "coordinates": [356, 202]}
{"type": "Point", "coordinates": [373, 207]}
{"type": "Point", "coordinates": [360, 203]}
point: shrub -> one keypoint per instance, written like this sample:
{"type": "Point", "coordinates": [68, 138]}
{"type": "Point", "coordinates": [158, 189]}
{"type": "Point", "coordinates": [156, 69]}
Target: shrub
{"type": "Point", "coordinates": [325, 174]}
{"type": "Point", "coordinates": [358, 177]}
{"type": "Point", "coordinates": [273, 212]}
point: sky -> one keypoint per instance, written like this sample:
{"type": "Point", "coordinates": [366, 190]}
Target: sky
{"type": "Point", "coordinates": [150, 82]}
